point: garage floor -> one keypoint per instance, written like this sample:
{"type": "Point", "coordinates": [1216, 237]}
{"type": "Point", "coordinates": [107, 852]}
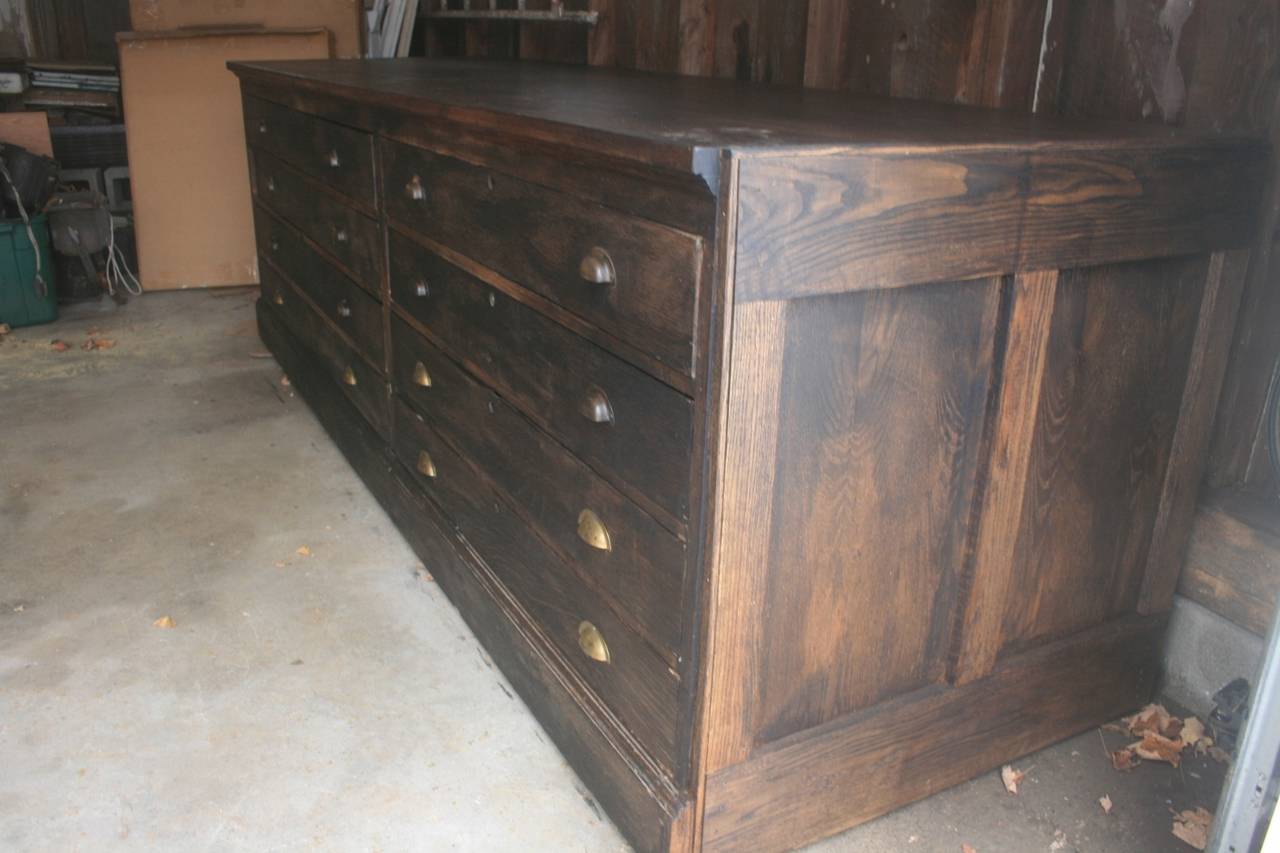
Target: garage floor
{"type": "Point", "coordinates": [316, 691]}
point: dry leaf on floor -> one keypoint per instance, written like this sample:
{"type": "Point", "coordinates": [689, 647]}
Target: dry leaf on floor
{"type": "Point", "coordinates": [1105, 802]}
{"type": "Point", "coordinates": [1192, 826]}
{"type": "Point", "coordinates": [164, 622]}
{"type": "Point", "coordinates": [1193, 734]}
{"type": "Point", "coordinates": [967, 848]}
{"type": "Point", "coordinates": [1059, 840]}
{"type": "Point", "coordinates": [1154, 718]}
{"type": "Point", "coordinates": [1011, 778]}
{"type": "Point", "coordinates": [59, 346]}
{"type": "Point", "coordinates": [104, 343]}
{"type": "Point", "coordinates": [4, 329]}
{"type": "Point", "coordinates": [1125, 759]}
{"type": "Point", "coordinates": [1157, 748]}
{"type": "Point", "coordinates": [284, 380]}
{"type": "Point", "coordinates": [280, 564]}
{"type": "Point", "coordinates": [421, 573]}
{"type": "Point", "coordinates": [304, 551]}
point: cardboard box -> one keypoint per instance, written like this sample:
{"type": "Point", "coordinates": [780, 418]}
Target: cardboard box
{"type": "Point", "coordinates": [343, 18]}
{"type": "Point", "coordinates": [187, 158]}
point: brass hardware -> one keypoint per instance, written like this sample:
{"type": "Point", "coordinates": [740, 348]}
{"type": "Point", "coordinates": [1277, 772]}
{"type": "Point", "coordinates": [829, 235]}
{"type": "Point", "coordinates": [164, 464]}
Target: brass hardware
{"type": "Point", "coordinates": [344, 308]}
{"type": "Point", "coordinates": [275, 245]}
{"type": "Point", "coordinates": [493, 300]}
{"type": "Point", "coordinates": [339, 234]}
{"type": "Point", "coordinates": [279, 300]}
{"type": "Point", "coordinates": [271, 184]}
{"type": "Point", "coordinates": [426, 467]}
{"type": "Point", "coordinates": [592, 643]}
{"type": "Point", "coordinates": [414, 189]}
{"type": "Point", "coordinates": [596, 408]}
{"type": "Point", "coordinates": [420, 375]}
{"type": "Point", "coordinates": [348, 377]}
{"type": "Point", "coordinates": [421, 288]}
{"type": "Point", "coordinates": [592, 531]}
{"type": "Point", "coordinates": [262, 126]}
{"type": "Point", "coordinates": [333, 159]}
{"type": "Point", "coordinates": [597, 267]}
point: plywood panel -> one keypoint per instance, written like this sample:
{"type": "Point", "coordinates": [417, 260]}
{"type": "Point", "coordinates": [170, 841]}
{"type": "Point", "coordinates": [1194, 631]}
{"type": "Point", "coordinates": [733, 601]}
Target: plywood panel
{"type": "Point", "coordinates": [30, 130]}
{"type": "Point", "coordinates": [187, 154]}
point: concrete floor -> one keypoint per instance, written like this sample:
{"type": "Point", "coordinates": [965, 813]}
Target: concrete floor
{"type": "Point", "coordinates": [333, 701]}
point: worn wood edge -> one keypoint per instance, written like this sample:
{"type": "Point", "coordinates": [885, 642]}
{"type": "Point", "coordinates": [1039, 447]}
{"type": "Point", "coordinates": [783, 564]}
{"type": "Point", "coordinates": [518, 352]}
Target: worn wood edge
{"type": "Point", "coordinates": [666, 374]}
{"type": "Point", "coordinates": [1232, 567]}
{"type": "Point", "coordinates": [538, 670]}
{"type": "Point", "coordinates": [1224, 284]}
{"type": "Point", "coordinates": [1008, 465]}
{"type": "Point", "coordinates": [717, 350]}
{"type": "Point", "coordinates": [820, 782]}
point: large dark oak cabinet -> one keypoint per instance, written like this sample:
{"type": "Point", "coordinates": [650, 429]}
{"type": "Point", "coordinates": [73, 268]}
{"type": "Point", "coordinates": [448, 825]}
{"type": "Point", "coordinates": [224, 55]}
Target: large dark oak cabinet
{"type": "Point", "coordinates": [795, 456]}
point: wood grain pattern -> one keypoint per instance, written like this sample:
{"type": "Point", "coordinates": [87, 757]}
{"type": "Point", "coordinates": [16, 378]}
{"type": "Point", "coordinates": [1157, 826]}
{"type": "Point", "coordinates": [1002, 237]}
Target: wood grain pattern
{"type": "Point", "coordinates": [745, 496]}
{"type": "Point", "coordinates": [1118, 353]}
{"type": "Point", "coordinates": [1208, 361]}
{"type": "Point", "coordinates": [1233, 558]}
{"type": "Point", "coordinates": [538, 237]}
{"type": "Point", "coordinates": [1021, 381]}
{"type": "Point", "coordinates": [337, 155]}
{"type": "Point", "coordinates": [881, 412]}
{"type": "Point", "coordinates": [832, 778]}
{"type": "Point", "coordinates": [831, 224]}
{"type": "Point", "coordinates": [548, 372]}
{"type": "Point", "coordinates": [641, 575]}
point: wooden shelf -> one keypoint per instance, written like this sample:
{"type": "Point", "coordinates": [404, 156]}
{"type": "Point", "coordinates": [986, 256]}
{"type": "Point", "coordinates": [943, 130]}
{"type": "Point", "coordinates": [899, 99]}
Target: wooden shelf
{"type": "Point", "coordinates": [1233, 561]}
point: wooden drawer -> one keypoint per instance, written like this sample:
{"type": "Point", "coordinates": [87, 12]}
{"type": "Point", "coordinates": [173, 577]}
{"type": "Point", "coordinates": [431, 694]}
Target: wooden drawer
{"type": "Point", "coordinates": [337, 155]}
{"type": "Point", "coordinates": [349, 237]}
{"type": "Point", "coordinates": [553, 243]}
{"type": "Point", "coordinates": [634, 682]}
{"type": "Point", "coordinates": [642, 567]}
{"type": "Point", "coordinates": [603, 409]}
{"type": "Point", "coordinates": [347, 306]}
{"type": "Point", "coordinates": [364, 386]}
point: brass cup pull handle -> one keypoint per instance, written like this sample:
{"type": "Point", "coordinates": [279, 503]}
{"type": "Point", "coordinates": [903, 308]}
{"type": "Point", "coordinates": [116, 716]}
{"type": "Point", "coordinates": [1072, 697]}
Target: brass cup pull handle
{"type": "Point", "coordinates": [596, 267]}
{"type": "Point", "coordinates": [339, 234]}
{"type": "Point", "coordinates": [275, 245]}
{"type": "Point", "coordinates": [262, 126]}
{"type": "Point", "coordinates": [334, 162]}
{"type": "Point", "coordinates": [420, 375]}
{"type": "Point", "coordinates": [592, 531]}
{"type": "Point", "coordinates": [414, 189]}
{"type": "Point", "coordinates": [278, 299]}
{"type": "Point", "coordinates": [348, 377]}
{"type": "Point", "coordinates": [271, 184]}
{"type": "Point", "coordinates": [596, 407]}
{"type": "Point", "coordinates": [592, 643]}
{"type": "Point", "coordinates": [421, 289]}
{"type": "Point", "coordinates": [344, 308]}
{"type": "Point", "coordinates": [426, 467]}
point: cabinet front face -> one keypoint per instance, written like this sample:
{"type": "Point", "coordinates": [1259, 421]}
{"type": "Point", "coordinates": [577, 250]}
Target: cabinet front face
{"type": "Point", "coordinates": [761, 472]}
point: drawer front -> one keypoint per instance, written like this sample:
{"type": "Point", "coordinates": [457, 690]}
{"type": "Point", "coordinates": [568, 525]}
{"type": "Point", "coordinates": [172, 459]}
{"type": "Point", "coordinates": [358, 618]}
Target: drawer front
{"type": "Point", "coordinates": [629, 276]}
{"type": "Point", "coordinates": [351, 237]}
{"type": "Point", "coordinates": [634, 681]}
{"type": "Point", "coordinates": [622, 549]}
{"type": "Point", "coordinates": [598, 405]}
{"type": "Point", "coordinates": [337, 155]}
{"type": "Point", "coordinates": [364, 387]}
{"type": "Point", "coordinates": [347, 306]}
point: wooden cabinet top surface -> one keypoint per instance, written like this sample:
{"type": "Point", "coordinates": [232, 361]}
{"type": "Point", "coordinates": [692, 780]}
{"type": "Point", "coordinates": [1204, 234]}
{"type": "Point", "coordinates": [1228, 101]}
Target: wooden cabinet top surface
{"type": "Point", "coordinates": [677, 121]}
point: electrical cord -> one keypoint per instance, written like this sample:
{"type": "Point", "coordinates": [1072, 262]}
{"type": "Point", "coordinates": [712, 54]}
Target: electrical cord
{"type": "Point", "coordinates": [118, 272]}
{"type": "Point", "coordinates": [1273, 430]}
{"type": "Point", "coordinates": [42, 289]}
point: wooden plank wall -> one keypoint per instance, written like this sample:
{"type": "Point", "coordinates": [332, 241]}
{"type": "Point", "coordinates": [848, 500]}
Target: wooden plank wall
{"type": "Point", "coordinates": [1206, 64]}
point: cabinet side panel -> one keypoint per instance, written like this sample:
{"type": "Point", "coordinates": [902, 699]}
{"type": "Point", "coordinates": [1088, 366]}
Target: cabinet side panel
{"type": "Point", "coordinates": [880, 418]}
{"type": "Point", "coordinates": [1115, 366]}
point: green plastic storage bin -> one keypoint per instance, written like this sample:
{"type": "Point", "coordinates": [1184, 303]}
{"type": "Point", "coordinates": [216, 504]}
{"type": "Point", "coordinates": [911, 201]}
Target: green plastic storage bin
{"type": "Point", "coordinates": [20, 301]}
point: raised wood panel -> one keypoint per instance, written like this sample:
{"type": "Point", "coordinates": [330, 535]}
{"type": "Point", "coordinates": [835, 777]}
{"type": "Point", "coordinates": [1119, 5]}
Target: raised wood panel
{"type": "Point", "coordinates": [1119, 346]}
{"type": "Point", "coordinates": [857, 768]}
{"type": "Point", "coordinates": [881, 412]}
{"type": "Point", "coordinates": [825, 224]}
